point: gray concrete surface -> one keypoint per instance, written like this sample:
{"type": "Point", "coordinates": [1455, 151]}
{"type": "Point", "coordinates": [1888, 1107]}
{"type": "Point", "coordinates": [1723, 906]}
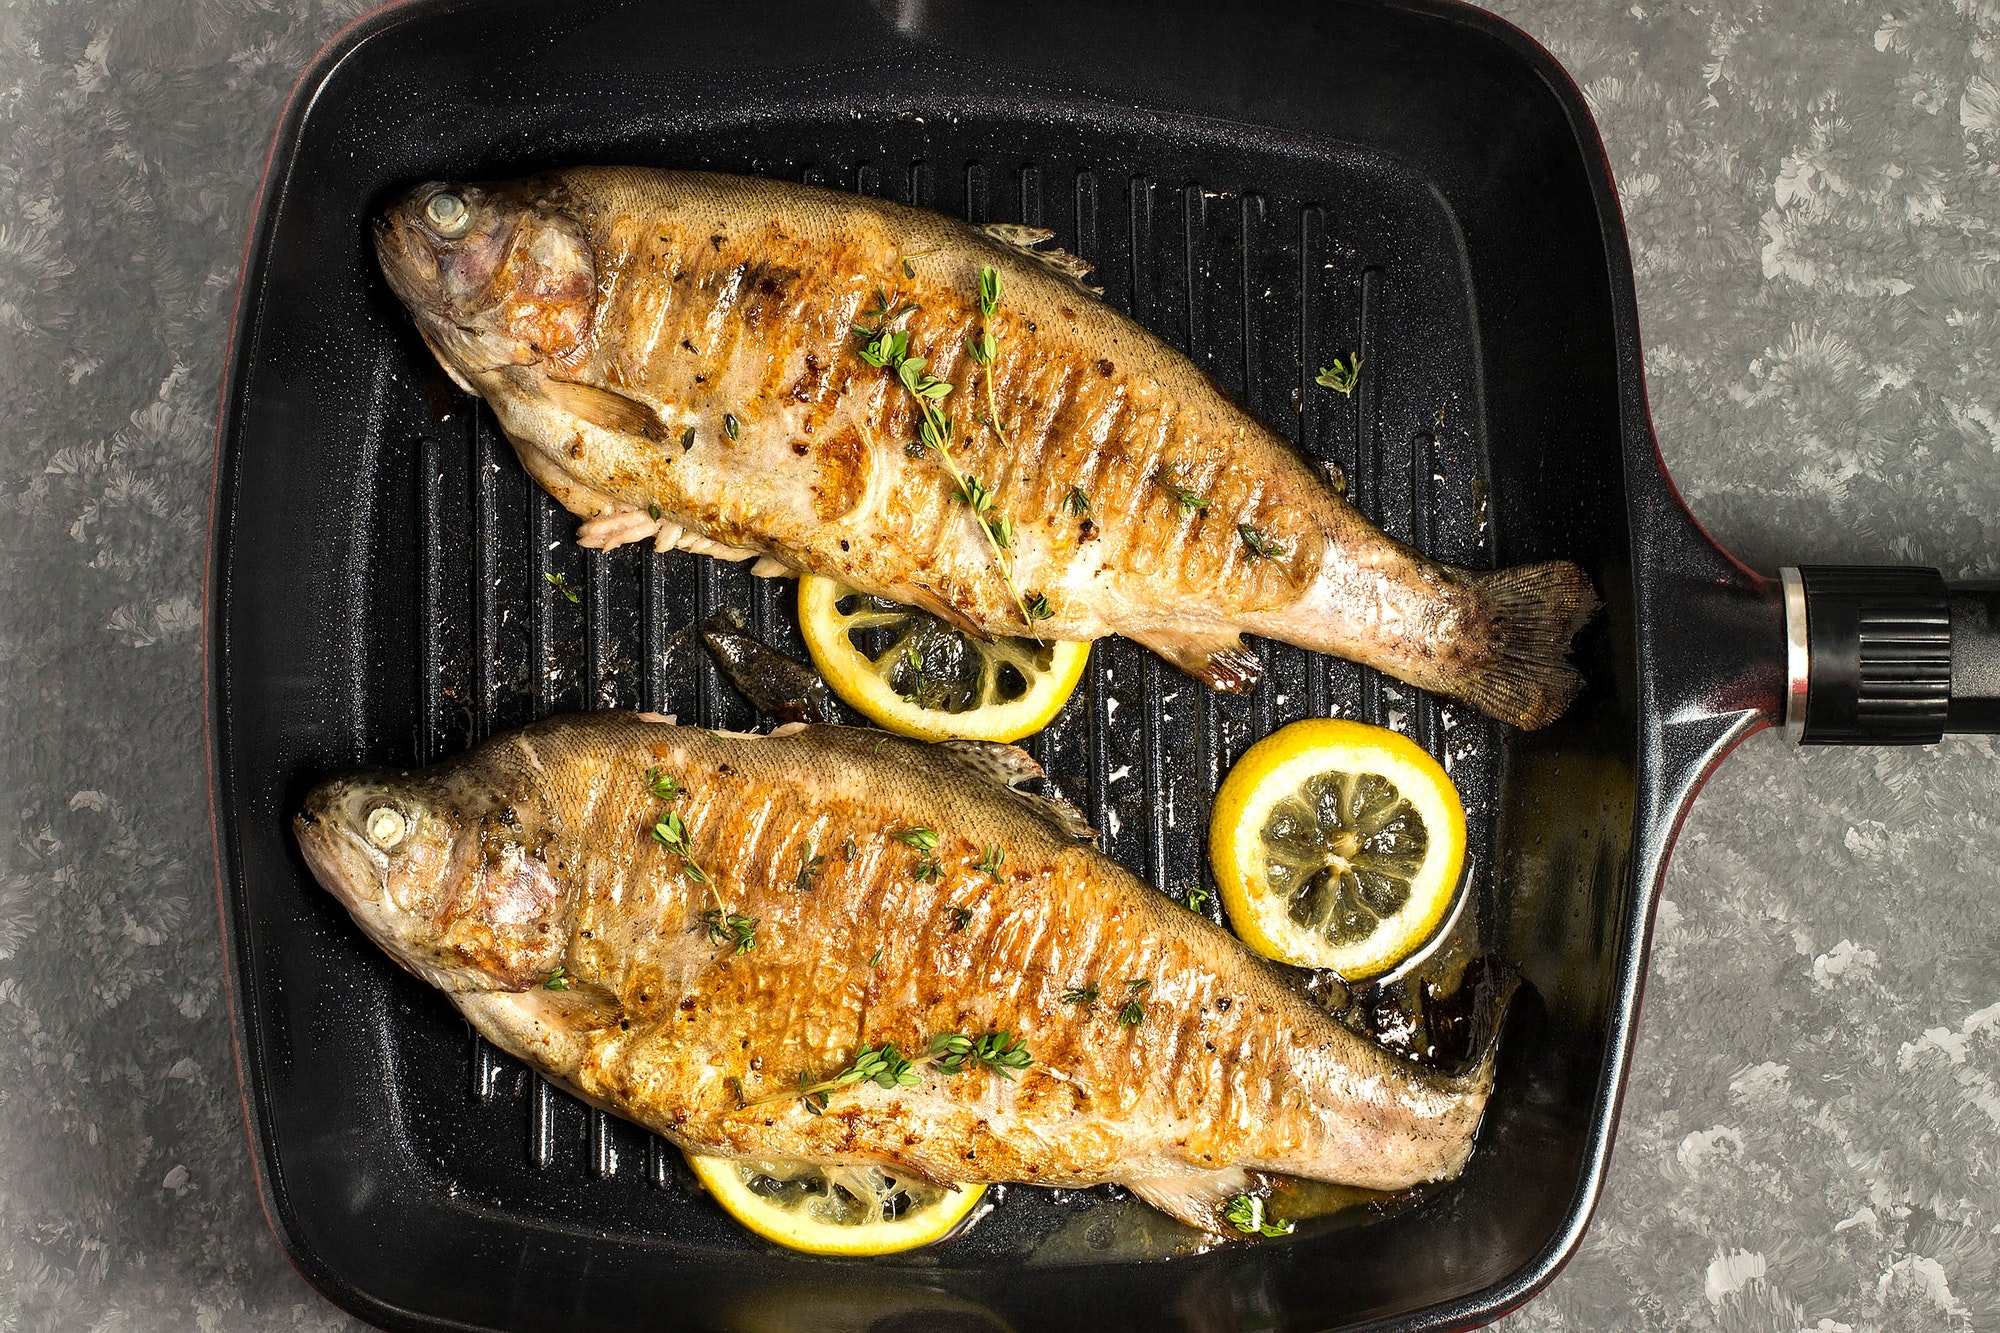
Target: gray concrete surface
{"type": "Point", "coordinates": [1811, 1135]}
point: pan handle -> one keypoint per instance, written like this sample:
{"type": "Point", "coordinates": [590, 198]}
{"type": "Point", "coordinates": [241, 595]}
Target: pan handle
{"type": "Point", "coordinates": [1888, 655]}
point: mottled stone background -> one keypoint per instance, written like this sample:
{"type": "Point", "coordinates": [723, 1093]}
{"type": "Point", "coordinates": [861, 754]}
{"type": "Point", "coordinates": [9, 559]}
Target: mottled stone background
{"type": "Point", "coordinates": [1810, 1137]}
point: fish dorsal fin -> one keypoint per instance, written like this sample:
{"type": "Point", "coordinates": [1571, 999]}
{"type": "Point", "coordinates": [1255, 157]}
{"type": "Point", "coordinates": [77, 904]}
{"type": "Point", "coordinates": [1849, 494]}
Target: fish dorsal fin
{"type": "Point", "coordinates": [607, 409]}
{"type": "Point", "coordinates": [1007, 767]}
{"type": "Point", "coordinates": [1025, 239]}
{"type": "Point", "coordinates": [997, 762]}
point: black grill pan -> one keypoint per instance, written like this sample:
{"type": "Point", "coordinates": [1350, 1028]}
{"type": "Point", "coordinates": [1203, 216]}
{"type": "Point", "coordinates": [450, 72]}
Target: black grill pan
{"type": "Point", "coordinates": [1415, 182]}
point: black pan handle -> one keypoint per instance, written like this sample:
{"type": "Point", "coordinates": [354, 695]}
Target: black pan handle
{"type": "Point", "coordinates": [1888, 655]}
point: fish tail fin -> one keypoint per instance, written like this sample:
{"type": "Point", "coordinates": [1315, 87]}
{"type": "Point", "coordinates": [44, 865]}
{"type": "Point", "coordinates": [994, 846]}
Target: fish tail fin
{"type": "Point", "coordinates": [1525, 678]}
{"type": "Point", "coordinates": [1496, 999]}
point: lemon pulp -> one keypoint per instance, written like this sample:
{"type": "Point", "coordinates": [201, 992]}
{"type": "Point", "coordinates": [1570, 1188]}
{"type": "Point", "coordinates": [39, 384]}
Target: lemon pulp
{"type": "Point", "coordinates": [911, 673]}
{"type": "Point", "coordinates": [1337, 845]}
{"type": "Point", "coordinates": [854, 1210]}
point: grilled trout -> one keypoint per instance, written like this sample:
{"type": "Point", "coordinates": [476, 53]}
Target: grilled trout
{"type": "Point", "coordinates": [711, 362]}
{"type": "Point", "coordinates": [816, 894]}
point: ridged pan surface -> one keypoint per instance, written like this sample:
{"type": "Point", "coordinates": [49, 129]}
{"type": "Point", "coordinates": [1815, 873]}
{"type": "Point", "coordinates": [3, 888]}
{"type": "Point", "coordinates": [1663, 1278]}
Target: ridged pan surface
{"type": "Point", "coordinates": [383, 596]}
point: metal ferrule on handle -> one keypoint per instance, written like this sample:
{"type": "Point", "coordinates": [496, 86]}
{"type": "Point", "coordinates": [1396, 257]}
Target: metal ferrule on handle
{"type": "Point", "coordinates": [1888, 655]}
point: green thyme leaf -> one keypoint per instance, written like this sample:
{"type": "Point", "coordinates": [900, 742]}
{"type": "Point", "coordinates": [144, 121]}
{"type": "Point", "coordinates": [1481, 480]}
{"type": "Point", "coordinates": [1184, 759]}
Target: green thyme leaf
{"type": "Point", "coordinates": [923, 839]}
{"type": "Point", "coordinates": [663, 786]}
{"type": "Point", "coordinates": [1077, 503]}
{"type": "Point", "coordinates": [1341, 377]}
{"type": "Point", "coordinates": [961, 917]}
{"type": "Point", "coordinates": [687, 439]}
{"type": "Point", "coordinates": [561, 585]}
{"type": "Point", "coordinates": [989, 291]}
{"type": "Point", "coordinates": [558, 980]}
{"type": "Point", "coordinates": [1039, 608]}
{"type": "Point", "coordinates": [1260, 546]}
{"type": "Point", "coordinates": [729, 426]}
{"type": "Point", "coordinates": [991, 862]}
{"type": "Point", "coordinates": [810, 867]}
{"type": "Point", "coordinates": [1245, 1212]}
{"type": "Point", "coordinates": [1083, 995]}
{"type": "Point", "coordinates": [1187, 501]}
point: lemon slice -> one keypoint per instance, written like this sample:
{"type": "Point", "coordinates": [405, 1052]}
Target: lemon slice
{"type": "Point", "coordinates": [834, 1209]}
{"type": "Point", "coordinates": [1337, 845]}
{"type": "Point", "coordinates": [910, 672]}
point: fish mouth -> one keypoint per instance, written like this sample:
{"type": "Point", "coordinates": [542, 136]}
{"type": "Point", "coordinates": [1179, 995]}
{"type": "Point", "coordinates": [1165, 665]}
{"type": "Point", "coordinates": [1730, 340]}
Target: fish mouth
{"type": "Point", "coordinates": [338, 859]}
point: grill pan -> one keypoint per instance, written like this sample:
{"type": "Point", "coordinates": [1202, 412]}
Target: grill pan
{"type": "Point", "coordinates": [1416, 182]}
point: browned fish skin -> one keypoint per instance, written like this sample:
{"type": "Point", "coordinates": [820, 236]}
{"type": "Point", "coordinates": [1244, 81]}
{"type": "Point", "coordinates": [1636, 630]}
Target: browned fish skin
{"type": "Point", "coordinates": [687, 342]}
{"type": "Point", "coordinates": [532, 853]}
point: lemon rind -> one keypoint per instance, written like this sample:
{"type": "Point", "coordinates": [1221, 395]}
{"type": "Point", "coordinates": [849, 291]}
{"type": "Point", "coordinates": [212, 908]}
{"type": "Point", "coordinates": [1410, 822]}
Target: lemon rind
{"type": "Point", "coordinates": [727, 1187]}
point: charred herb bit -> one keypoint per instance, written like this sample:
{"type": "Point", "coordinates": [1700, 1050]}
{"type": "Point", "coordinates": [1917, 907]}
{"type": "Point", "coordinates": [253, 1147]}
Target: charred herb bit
{"type": "Point", "coordinates": [923, 839]}
{"type": "Point", "coordinates": [961, 917]}
{"type": "Point", "coordinates": [1341, 376]}
{"type": "Point", "coordinates": [1076, 503]}
{"type": "Point", "coordinates": [729, 426]}
{"type": "Point", "coordinates": [1187, 501]}
{"type": "Point", "coordinates": [1245, 1212]}
{"type": "Point", "coordinates": [991, 863]}
{"type": "Point", "coordinates": [1260, 546]}
{"type": "Point", "coordinates": [847, 847]}
{"type": "Point", "coordinates": [654, 512]}
{"type": "Point", "coordinates": [687, 439]}
{"type": "Point", "coordinates": [909, 269]}
{"type": "Point", "coordinates": [561, 585]}
{"type": "Point", "coordinates": [1134, 1012]}
{"type": "Point", "coordinates": [1083, 995]}
{"type": "Point", "coordinates": [810, 867]}
{"type": "Point", "coordinates": [726, 928]}
{"type": "Point", "coordinates": [558, 980]}
{"type": "Point", "coordinates": [1038, 607]}
{"type": "Point", "coordinates": [927, 870]}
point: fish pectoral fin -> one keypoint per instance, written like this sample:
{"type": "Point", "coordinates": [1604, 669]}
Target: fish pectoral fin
{"type": "Point", "coordinates": [1217, 659]}
{"type": "Point", "coordinates": [1007, 767]}
{"type": "Point", "coordinates": [607, 409]}
{"type": "Point", "coordinates": [1015, 236]}
{"type": "Point", "coordinates": [1061, 812]}
{"type": "Point", "coordinates": [617, 528]}
{"type": "Point", "coordinates": [1199, 1197]}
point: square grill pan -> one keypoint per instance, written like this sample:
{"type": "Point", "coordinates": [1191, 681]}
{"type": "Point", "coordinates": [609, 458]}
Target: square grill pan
{"type": "Point", "coordinates": [1266, 191]}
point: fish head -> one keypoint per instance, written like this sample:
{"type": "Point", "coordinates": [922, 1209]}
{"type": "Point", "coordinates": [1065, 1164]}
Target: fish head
{"type": "Point", "coordinates": [495, 275]}
{"type": "Point", "coordinates": [449, 880]}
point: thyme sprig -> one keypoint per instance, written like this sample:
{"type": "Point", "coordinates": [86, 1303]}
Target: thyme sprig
{"type": "Point", "coordinates": [1083, 995]}
{"type": "Point", "coordinates": [985, 348]}
{"type": "Point", "coordinates": [1246, 1213]}
{"type": "Point", "coordinates": [885, 1066]}
{"type": "Point", "coordinates": [561, 585]}
{"type": "Point", "coordinates": [1186, 500]}
{"type": "Point", "coordinates": [726, 927]}
{"type": "Point", "coordinates": [991, 862]}
{"type": "Point", "coordinates": [810, 867]}
{"type": "Point", "coordinates": [1341, 376]}
{"type": "Point", "coordinates": [1134, 1012]}
{"type": "Point", "coordinates": [1260, 546]}
{"type": "Point", "coordinates": [888, 348]}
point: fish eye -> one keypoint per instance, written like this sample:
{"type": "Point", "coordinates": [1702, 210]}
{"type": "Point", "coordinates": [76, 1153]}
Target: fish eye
{"type": "Point", "coordinates": [387, 827]}
{"type": "Point", "coordinates": [447, 214]}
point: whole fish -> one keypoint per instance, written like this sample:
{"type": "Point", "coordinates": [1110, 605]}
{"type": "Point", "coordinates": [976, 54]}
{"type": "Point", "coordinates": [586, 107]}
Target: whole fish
{"type": "Point", "coordinates": [933, 413]}
{"type": "Point", "coordinates": [816, 894]}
